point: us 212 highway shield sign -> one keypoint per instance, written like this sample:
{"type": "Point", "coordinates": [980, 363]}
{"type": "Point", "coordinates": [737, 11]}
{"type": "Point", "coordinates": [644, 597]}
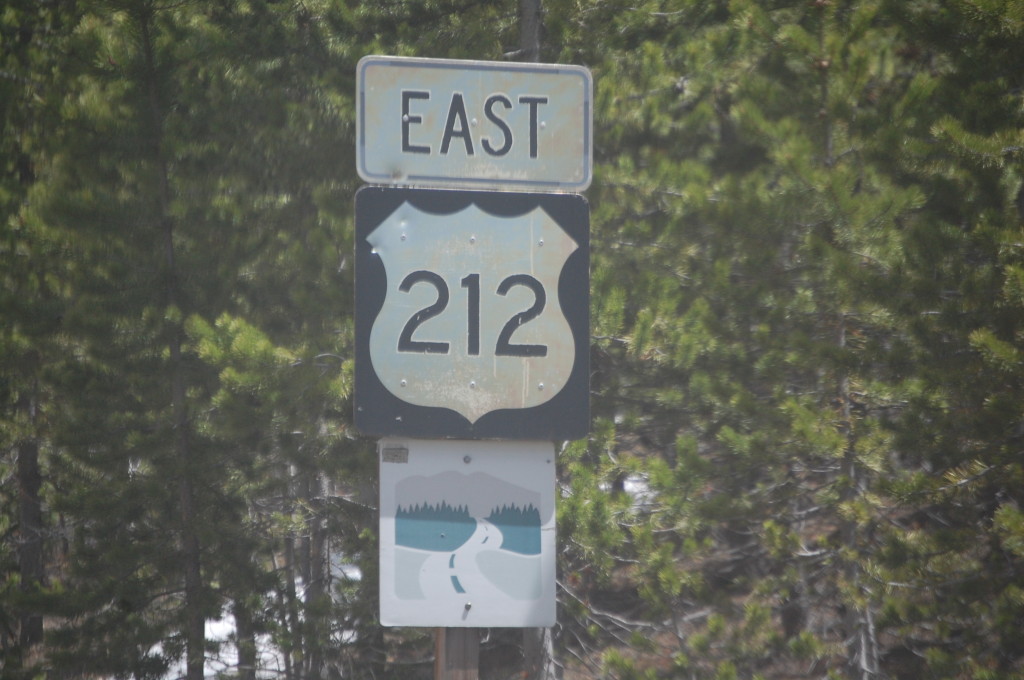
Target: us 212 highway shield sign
{"type": "Point", "coordinates": [472, 314]}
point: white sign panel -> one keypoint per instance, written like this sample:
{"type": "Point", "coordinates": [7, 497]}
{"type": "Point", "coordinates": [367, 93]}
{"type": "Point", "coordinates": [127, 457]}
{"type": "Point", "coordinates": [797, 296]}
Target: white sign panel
{"type": "Point", "coordinates": [501, 268]}
{"type": "Point", "coordinates": [473, 124]}
{"type": "Point", "coordinates": [467, 533]}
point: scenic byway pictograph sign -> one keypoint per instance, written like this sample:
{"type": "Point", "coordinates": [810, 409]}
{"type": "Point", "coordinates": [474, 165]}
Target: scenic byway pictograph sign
{"type": "Point", "coordinates": [472, 314]}
{"type": "Point", "coordinates": [467, 533]}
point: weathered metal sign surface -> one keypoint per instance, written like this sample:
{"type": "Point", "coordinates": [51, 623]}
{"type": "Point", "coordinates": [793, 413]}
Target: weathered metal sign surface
{"type": "Point", "coordinates": [472, 314]}
{"type": "Point", "coordinates": [467, 533]}
{"type": "Point", "coordinates": [488, 359]}
{"type": "Point", "coordinates": [473, 124]}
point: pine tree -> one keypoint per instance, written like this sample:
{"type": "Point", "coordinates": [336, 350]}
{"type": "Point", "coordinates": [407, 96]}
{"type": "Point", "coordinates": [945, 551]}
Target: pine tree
{"type": "Point", "coordinates": [133, 456]}
{"type": "Point", "coordinates": [746, 245]}
{"type": "Point", "coordinates": [953, 566]}
{"type": "Point", "coordinates": [180, 226]}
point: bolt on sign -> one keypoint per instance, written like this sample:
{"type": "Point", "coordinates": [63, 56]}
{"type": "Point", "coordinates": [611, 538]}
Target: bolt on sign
{"type": "Point", "coordinates": [474, 124]}
{"type": "Point", "coordinates": [467, 533]}
{"type": "Point", "coordinates": [472, 314]}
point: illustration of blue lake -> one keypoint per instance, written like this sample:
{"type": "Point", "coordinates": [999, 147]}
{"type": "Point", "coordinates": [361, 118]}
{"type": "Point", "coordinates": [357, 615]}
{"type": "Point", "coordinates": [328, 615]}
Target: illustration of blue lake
{"type": "Point", "coordinates": [472, 534]}
{"type": "Point", "coordinates": [433, 527]}
{"type": "Point", "coordinates": [520, 528]}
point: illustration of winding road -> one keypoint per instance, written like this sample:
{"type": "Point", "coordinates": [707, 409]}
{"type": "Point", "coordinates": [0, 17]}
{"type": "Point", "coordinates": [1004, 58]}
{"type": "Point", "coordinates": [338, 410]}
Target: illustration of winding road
{"type": "Point", "coordinates": [456, 572]}
{"type": "Point", "coordinates": [478, 569]}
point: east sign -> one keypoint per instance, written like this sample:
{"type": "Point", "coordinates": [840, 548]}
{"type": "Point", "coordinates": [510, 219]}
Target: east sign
{"type": "Point", "coordinates": [473, 124]}
{"type": "Point", "coordinates": [472, 315]}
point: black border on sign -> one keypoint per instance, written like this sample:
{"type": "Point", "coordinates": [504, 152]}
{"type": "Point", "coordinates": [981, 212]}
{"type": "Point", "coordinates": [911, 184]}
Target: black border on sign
{"type": "Point", "coordinates": [379, 412]}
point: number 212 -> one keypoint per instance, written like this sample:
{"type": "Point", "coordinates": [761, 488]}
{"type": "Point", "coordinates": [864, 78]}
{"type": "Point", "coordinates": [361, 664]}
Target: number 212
{"type": "Point", "coordinates": [471, 282]}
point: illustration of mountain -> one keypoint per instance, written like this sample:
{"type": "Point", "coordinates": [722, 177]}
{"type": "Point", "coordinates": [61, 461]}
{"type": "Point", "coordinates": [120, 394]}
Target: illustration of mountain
{"type": "Point", "coordinates": [433, 527]}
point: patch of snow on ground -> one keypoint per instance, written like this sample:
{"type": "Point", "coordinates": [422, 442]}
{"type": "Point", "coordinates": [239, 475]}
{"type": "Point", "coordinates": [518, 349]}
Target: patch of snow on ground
{"type": "Point", "coordinates": [269, 661]}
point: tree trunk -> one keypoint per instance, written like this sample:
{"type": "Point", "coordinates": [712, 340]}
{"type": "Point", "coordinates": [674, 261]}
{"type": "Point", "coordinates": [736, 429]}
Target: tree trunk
{"type": "Point", "coordinates": [530, 16]}
{"type": "Point", "coordinates": [195, 621]}
{"type": "Point", "coordinates": [317, 587]}
{"type": "Point", "coordinates": [30, 540]}
{"type": "Point", "coordinates": [859, 623]}
{"type": "Point", "coordinates": [293, 650]}
{"type": "Point", "coordinates": [245, 634]}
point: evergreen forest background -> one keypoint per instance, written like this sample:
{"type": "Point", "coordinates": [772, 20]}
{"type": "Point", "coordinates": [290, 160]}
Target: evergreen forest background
{"type": "Point", "coordinates": [807, 453]}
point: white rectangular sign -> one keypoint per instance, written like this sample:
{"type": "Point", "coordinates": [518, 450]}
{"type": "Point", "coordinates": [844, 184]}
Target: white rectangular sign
{"type": "Point", "coordinates": [473, 124]}
{"type": "Point", "coordinates": [467, 533]}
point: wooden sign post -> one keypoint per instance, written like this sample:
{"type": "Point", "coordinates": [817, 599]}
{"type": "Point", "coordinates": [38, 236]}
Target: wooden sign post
{"type": "Point", "coordinates": [456, 653]}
